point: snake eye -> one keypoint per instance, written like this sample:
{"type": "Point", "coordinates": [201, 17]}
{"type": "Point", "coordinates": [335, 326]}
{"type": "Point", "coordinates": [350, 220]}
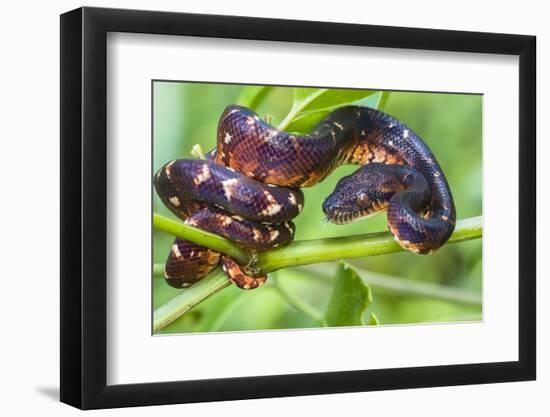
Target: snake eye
{"type": "Point", "coordinates": [362, 199]}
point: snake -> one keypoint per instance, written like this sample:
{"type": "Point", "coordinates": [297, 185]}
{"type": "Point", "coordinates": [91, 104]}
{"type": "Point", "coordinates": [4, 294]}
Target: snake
{"type": "Point", "coordinates": [248, 188]}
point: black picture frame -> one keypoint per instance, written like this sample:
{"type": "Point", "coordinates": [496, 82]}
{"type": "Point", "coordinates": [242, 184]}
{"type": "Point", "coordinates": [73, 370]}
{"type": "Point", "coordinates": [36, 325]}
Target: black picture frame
{"type": "Point", "coordinates": [84, 222]}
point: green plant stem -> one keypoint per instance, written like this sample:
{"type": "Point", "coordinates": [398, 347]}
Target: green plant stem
{"type": "Point", "coordinates": [383, 100]}
{"type": "Point", "coordinates": [402, 286]}
{"type": "Point", "coordinates": [197, 152]}
{"type": "Point", "coordinates": [209, 240]}
{"type": "Point", "coordinates": [158, 270]}
{"type": "Point", "coordinates": [307, 251]}
{"type": "Point", "coordinates": [331, 249]}
{"type": "Point", "coordinates": [293, 254]}
{"type": "Point", "coordinates": [228, 312]}
{"type": "Point", "coordinates": [187, 299]}
{"type": "Point", "coordinates": [299, 304]}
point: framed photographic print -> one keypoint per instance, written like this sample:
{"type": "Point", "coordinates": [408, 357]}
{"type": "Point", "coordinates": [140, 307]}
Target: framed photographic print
{"type": "Point", "coordinates": [257, 208]}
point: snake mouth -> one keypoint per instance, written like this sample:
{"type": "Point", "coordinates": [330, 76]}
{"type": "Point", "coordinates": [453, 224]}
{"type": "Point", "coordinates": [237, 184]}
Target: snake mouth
{"type": "Point", "coordinates": [346, 217]}
{"type": "Point", "coordinates": [343, 216]}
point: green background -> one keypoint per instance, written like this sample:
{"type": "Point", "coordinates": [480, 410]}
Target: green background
{"type": "Point", "coordinates": [405, 288]}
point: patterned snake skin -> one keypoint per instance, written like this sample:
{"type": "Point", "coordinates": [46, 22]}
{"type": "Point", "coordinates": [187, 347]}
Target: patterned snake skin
{"type": "Point", "coordinates": [248, 189]}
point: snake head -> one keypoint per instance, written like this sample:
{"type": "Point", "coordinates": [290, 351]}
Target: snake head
{"type": "Point", "coordinates": [365, 192]}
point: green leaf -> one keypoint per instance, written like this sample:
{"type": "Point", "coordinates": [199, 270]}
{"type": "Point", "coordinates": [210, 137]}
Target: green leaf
{"type": "Point", "coordinates": [252, 96]}
{"type": "Point", "coordinates": [310, 105]}
{"type": "Point", "coordinates": [383, 100]}
{"type": "Point", "coordinates": [350, 298]}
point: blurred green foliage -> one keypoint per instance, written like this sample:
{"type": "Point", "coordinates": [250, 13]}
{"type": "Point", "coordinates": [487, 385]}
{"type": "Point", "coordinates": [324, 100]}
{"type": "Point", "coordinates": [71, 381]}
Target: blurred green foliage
{"type": "Point", "coordinates": [186, 114]}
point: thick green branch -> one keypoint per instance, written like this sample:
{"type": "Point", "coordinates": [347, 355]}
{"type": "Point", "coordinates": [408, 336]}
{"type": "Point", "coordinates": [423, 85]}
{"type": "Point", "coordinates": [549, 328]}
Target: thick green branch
{"type": "Point", "coordinates": [307, 251]}
{"type": "Point", "coordinates": [294, 254]}
{"type": "Point", "coordinates": [322, 250]}
{"type": "Point", "coordinates": [209, 240]}
{"type": "Point", "coordinates": [189, 298]}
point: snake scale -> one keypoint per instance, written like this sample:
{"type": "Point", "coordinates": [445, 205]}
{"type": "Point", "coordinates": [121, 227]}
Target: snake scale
{"type": "Point", "coordinates": [248, 188]}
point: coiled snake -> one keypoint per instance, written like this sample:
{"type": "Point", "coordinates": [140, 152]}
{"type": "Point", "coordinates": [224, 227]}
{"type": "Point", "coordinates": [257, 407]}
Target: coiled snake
{"type": "Point", "coordinates": [248, 188]}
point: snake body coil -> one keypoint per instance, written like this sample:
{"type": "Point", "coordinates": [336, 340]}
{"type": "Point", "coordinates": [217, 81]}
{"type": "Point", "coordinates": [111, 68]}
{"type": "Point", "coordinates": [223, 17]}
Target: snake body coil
{"type": "Point", "coordinates": [248, 189]}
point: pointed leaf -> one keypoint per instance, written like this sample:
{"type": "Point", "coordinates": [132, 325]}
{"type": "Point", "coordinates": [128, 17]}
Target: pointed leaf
{"type": "Point", "coordinates": [312, 104]}
{"type": "Point", "coordinates": [251, 96]}
{"type": "Point", "coordinates": [350, 298]}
